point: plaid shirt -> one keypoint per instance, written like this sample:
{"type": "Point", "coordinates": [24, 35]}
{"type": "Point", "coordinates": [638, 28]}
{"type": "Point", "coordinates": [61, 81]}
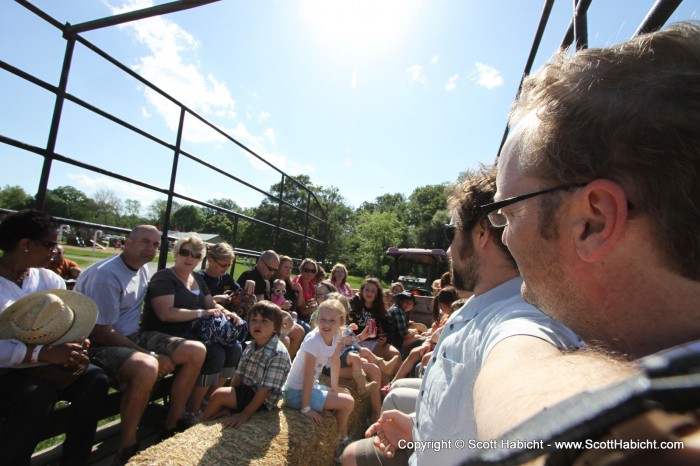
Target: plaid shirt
{"type": "Point", "coordinates": [399, 326]}
{"type": "Point", "coordinates": [265, 368]}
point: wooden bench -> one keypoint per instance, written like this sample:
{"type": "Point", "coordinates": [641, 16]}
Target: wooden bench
{"type": "Point", "coordinates": [107, 436]}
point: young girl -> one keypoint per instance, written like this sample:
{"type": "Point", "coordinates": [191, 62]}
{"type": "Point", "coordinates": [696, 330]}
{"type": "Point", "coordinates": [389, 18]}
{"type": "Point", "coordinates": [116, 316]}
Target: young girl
{"type": "Point", "coordinates": [279, 288]}
{"type": "Point", "coordinates": [302, 391]}
{"type": "Point", "coordinates": [367, 310]}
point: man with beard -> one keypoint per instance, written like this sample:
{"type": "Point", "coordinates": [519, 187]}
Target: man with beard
{"type": "Point", "coordinates": [134, 359]}
{"type": "Point", "coordinates": [496, 313]}
{"type": "Point", "coordinates": [600, 201]}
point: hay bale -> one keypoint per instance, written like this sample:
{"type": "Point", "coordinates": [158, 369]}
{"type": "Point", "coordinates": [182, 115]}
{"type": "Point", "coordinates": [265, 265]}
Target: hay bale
{"type": "Point", "coordinates": [269, 438]}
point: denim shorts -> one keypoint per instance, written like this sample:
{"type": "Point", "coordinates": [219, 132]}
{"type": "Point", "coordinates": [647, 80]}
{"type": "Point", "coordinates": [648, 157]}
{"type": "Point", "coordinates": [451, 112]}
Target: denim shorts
{"type": "Point", "coordinates": [292, 398]}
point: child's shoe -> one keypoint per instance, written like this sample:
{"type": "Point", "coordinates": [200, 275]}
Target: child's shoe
{"type": "Point", "coordinates": [338, 456]}
{"type": "Point", "coordinates": [363, 386]}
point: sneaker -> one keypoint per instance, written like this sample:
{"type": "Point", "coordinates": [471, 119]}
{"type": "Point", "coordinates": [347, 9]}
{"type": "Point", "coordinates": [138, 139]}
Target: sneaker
{"type": "Point", "coordinates": [338, 456]}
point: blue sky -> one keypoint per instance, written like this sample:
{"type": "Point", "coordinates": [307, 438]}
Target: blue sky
{"type": "Point", "coordinates": [371, 97]}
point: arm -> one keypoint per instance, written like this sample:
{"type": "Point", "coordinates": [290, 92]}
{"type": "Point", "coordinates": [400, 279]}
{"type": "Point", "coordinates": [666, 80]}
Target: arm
{"type": "Point", "coordinates": [164, 308]}
{"type": "Point", "coordinates": [523, 375]}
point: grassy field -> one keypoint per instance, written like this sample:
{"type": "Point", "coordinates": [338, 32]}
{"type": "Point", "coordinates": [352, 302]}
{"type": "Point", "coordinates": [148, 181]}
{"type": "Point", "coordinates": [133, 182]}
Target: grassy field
{"type": "Point", "coordinates": [85, 257]}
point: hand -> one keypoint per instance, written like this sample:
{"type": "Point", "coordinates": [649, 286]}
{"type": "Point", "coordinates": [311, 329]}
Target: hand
{"type": "Point", "coordinates": [66, 354]}
{"type": "Point", "coordinates": [236, 420]}
{"type": "Point", "coordinates": [364, 334]}
{"type": "Point", "coordinates": [214, 312]}
{"type": "Point", "coordinates": [391, 427]}
{"type": "Point", "coordinates": [296, 287]}
{"type": "Point", "coordinates": [316, 417]}
{"type": "Point", "coordinates": [233, 317]}
{"type": "Point", "coordinates": [165, 365]}
{"type": "Point", "coordinates": [249, 287]}
{"type": "Point", "coordinates": [353, 326]}
{"type": "Point", "coordinates": [286, 305]}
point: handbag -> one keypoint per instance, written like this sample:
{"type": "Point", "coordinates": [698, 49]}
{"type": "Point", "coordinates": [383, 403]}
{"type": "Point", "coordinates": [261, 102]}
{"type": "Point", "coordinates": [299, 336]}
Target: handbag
{"type": "Point", "coordinates": [210, 329]}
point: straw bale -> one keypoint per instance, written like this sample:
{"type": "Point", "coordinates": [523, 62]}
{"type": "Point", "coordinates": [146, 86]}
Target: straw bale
{"type": "Point", "coordinates": [269, 438]}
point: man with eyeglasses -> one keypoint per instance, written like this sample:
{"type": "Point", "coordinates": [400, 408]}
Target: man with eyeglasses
{"type": "Point", "coordinates": [599, 196]}
{"type": "Point", "coordinates": [267, 265]}
{"type": "Point", "coordinates": [134, 359]}
{"type": "Point", "coordinates": [496, 313]}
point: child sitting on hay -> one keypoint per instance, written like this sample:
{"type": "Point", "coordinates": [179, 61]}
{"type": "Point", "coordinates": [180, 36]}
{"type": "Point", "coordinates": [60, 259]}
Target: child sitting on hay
{"type": "Point", "coordinates": [261, 372]}
{"type": "Point", "coordinates": [302, 390]}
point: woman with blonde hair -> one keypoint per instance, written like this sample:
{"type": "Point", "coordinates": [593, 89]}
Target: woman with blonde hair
{"type": "Point", "coordinates": [177, 298]}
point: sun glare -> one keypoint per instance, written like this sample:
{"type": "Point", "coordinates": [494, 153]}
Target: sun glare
{"type": "Point", "coordinates": [351, 26]}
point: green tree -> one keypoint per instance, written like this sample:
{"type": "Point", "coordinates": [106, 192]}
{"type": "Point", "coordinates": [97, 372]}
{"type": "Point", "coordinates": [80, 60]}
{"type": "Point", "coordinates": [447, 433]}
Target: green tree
{"type": "Point", "coordinates": [427, 213]}
{"type": "Point", "coordinates": [73, 203]}
{"type": "Point", "coordinates": [107, 207]}
{"type": "Point", "coordinates": [15, 198]}
{"type": "Point", "coordinates": [374, 234]}
{"type": "Point", "coordinates": [156, 212]}
{"type": "Point", "coordinates": [187, 218]}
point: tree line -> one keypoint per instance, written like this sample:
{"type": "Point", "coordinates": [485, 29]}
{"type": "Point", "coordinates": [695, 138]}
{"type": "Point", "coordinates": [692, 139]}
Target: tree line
{"type": "Point", "coordinates": [357, 237]}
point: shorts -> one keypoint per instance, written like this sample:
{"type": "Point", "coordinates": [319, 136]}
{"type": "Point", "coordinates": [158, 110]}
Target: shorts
{"type": "Point", "coordinates": [292, 398]}
{"type": "Point", "coordinates": [366, 454]}
{"type": "Point", "coordinates": [369, 344]}
{"type": "Point", "coordinates": [112, 358]}
{"type": "Point", "coordinates": [244, 395]}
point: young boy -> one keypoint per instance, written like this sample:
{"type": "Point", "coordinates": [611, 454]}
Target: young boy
{"type": "Point", "coordinates": [261, 372]}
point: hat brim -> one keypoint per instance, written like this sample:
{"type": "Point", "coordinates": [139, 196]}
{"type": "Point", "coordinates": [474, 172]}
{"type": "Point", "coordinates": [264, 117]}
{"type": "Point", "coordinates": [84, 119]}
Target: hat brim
{"type": "Point", "coordinates": [84, 310]}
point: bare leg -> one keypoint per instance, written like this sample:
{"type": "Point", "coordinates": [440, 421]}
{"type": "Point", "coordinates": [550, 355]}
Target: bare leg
{"type": "Point", "coordinates": [222, 398]}
{"type": "Point", "coordinates": [341, 404]}
{"type": "Point", "coordinates": [408, 364]}
{"type": "Point", "coordinates": [189, 356]}
{"type": "Point", "coordinates": [374, 375]}
{"type": "Point", "coordinates": [296, 336]}
{"type": "Point", "coordinates": [137, 376]}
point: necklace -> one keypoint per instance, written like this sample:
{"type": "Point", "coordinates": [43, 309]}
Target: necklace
{"type": "Point", "coordinates": [16, 277]}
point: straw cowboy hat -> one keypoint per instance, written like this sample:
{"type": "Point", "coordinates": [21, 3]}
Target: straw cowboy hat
{"type": "Point", "coordinates": [49, 317]}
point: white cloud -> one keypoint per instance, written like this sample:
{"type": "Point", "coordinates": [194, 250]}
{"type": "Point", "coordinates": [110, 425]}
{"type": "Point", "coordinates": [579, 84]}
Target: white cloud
{"type": "Point", "coordinates": [486, 76]}
{"type": "Point", "coordinates": [263, 115]}
{"type": "Point", "coordinates": [347, 162]}
{"type": "Point", "coordinates": [145, 113]}
{"type": "Point", "coordinates": [434, 59]}
{"type": "Point", "coordinates": [90, 184]}
{"type": "Point", "coordinates": [452, 83]}
{"type": "Point", "coordinates": [171, 65]}
{"type": "Point", "coordinates": [416, 73]}
{"type": "Point", "coordinates": [270, 134]}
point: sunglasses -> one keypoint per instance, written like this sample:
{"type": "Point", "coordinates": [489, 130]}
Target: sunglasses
{"type": "Point", "coordinates": [47, 244]}
{"type": "Point", "coordinates": [450, 232]}
{"type": "Point", "coordinates": [224, 266]}
{"type": "Point", "coordinates": [271, 269]}
{"type": "Point", "coordinates": [188, 253]}
{"type": "Point", "coordinates": [278, 291]}
{"type": "Point", "coordinates": [305, 270]}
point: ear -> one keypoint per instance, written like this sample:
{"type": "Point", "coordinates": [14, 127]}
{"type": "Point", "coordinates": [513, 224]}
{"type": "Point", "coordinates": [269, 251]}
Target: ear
{"type": "Point", "coordinates": [481, 233]}
{"type": "Point", "coordinates": [600, 220]}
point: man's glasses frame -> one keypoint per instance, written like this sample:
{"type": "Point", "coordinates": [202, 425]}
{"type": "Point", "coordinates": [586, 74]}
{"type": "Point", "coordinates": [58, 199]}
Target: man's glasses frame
{"type": "Point", "coordinates": [188, 253]}
{"type": "Point", "coordinates": [493, 210]}
{"type": "Point", "coordinates": [271, 269]}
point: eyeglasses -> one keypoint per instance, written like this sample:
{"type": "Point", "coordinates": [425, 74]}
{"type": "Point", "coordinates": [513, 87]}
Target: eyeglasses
{"type": "Point", "coordinates": [271, 269]}
{"type": "Point", "coordinates": [493, 210]}
{"type": "Point", "coordinates": [305, 270]}
{"type": "Point", "coordinates": [188, 253]}
{"type": "Point", "coordinates": [450, 232]}
{"type": "Point", "coordinates": [223, 266]}
{"type": "Point", "coordinates": [279, 291]}
{"type": "Point", "coordinates": [50, 245]}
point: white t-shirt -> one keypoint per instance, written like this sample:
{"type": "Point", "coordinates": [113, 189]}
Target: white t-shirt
{"type": "Point", "coordinates": [315, 346]}
{"type": "Point", "coordinates": [12, 352]}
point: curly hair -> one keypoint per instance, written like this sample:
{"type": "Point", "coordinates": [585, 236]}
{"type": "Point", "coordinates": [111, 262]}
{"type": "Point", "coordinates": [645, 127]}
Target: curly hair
{"type": "Point", "coordinates": [28, 223]}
